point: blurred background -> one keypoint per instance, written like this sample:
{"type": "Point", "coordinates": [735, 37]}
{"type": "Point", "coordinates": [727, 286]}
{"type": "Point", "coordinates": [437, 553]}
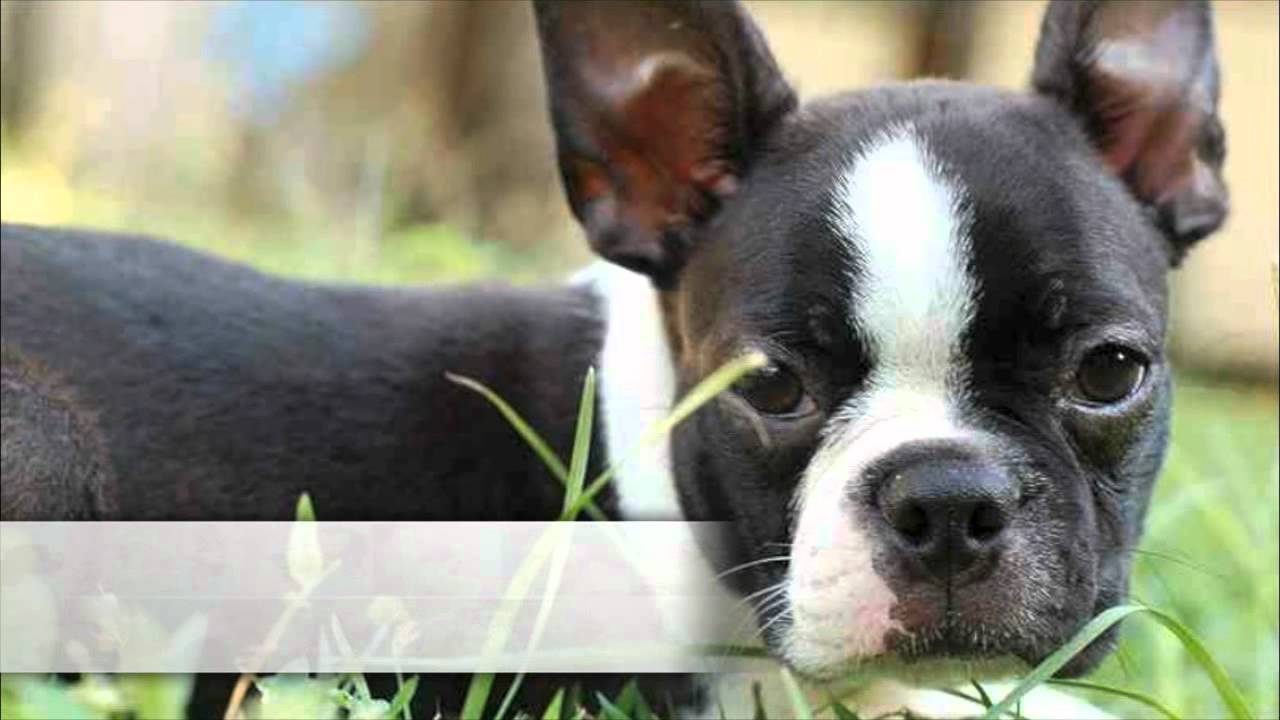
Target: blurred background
{"type": "Point", "coordinates": [407, 142]}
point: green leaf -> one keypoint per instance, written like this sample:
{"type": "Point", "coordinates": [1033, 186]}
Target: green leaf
{"type": "Point", "coordinates": [1227, 691]}
{"type": "Point", "coordinates": [1118, 692]}
{"type": "Point", "coordinates": [712, 385]}
{"type": "Point", "coordinates": [304, 512]}
{"type": "Point", "coordinates": [527, 433]}
{"type": "Point", "coordinates": [553, 708]}
{"type": "Point", "coordinates": [477, 696]}
{"type": "Point", "coordinates": [799, 703]}
{"type": "Point", "coordinates": [581, 443]}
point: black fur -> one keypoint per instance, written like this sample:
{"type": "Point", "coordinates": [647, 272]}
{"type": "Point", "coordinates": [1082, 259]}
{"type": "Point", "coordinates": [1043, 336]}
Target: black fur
{"type": "Point", "coordinates": [223, 393]}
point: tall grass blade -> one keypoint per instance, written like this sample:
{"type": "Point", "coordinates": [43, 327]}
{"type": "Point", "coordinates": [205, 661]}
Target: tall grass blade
{"type": "Point", "coordinates": [712, 385]}
{"type": "Point", "coordinates": [513, 418]}
{"type": "Point", "coordinates": [477, 696]}
{"type": "Point", "coordinates": [581, 442]}
{"type": "Point", "coordinates": [553, 708]}
{"type": "Point", "coordinates": [404, 696]}
{"type": "Point", "coordinates": [1118, 692]}
{"type": "Point", "coordinates": [526, 433]}
{"type": "Point", "coordinates": [983, 698]}
{"type": "Point", "coordinates": [608, 710]}
{"type": "Point", "coordinates": [305, 511]}
{"type": "Point", "coordinates": [1227, 691]}
{"type": "Point", "coordinates": [510, 696]}
{"type": "Point", "coordinates": [1052, 664]}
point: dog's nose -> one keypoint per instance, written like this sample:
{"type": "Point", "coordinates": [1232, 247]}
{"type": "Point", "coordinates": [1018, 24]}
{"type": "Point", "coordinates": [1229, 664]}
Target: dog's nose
{"type": "Point", "coordinates": [949, 514]}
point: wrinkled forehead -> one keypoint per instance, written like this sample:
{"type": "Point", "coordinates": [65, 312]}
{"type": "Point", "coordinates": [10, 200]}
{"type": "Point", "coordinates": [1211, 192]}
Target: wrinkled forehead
{"type": "Point", "coordinates": [927, 222]}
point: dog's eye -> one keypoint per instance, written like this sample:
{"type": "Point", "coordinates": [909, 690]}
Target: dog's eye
{"type": "Point", "coordinates": [774, 390]}
{"type": "Point", "coordinates": [1110, 373]}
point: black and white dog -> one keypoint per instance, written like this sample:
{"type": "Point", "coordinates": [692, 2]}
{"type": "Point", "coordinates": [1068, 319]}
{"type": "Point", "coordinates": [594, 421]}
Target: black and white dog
{"type": "Point", "coordinates": [961, 292]}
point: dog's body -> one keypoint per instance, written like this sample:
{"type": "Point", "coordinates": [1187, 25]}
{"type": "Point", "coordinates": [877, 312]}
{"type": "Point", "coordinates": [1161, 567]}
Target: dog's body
{"type": "Point", "coordinates": [960, 291]}
{"type": "Point", "coordinates": [201, 374]}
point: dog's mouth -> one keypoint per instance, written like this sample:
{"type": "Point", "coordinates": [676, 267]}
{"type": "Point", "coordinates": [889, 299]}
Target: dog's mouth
{"type": "Point", "coordinates": [948, 651]}
{"type": "Point", "coordinates": [976, 644]}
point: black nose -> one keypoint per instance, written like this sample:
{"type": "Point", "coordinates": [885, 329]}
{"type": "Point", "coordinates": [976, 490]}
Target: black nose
{"type": "Point", "coordinates": [949, 514]}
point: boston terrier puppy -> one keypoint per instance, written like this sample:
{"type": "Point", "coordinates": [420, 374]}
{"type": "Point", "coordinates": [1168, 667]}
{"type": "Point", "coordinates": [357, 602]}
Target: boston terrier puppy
{"type": "Point", "coordinates": [961, 293]}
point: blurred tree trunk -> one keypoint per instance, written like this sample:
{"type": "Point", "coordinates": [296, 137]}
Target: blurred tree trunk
{"type": "Point", "coordinates": [21, 35]}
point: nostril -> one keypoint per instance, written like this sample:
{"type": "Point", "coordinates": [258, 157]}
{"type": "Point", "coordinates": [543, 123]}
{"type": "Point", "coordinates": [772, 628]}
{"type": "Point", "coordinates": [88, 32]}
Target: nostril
{"type": "Point", "coordinates": [987, 521]}
{"type": "Point", "coordinates": [911, 521]}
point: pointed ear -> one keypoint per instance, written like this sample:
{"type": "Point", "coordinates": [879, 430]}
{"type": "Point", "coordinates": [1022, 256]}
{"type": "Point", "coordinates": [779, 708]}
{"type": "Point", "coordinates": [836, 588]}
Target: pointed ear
{"type": "Point", "coordinates": [657, 107]}
{"type": "Point", "coordinates": [1143, 77]}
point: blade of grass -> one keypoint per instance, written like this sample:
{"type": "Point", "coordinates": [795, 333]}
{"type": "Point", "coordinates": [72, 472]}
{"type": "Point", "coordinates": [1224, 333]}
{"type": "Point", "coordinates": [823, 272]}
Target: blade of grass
{"type": "Point", "coordinates": [1090, 632]}
{"type": "Point", "coordinates": [477, 696]}
{"type": "Point", "coordinates": [983, 697]}
{"type": "Point", "coordinates": [712, 385]}
{"type": "Point", "coordinates": [626, 699]}
{"type": "Point", "coordinates": [799, 703]}
{"type": "Point", "coordinates": [608, 710]}
{"type": "Point", "coordinates": [581, 442]}
{"type": "Point", "coordinates": [510, 696]}
{"type": "Point", "coordinates": [404, 695]}
{"type": "Point", "coordinates": [965, 696]}
{"type": "Point", "coordinates": [305, 511]}
{"type": "Point", "coordinates": [1118, 692]}
{"type": "Point", "coordinates": [553, 708]}
{"type": "Point", "coordinates": [526, 433]}
{"type": "Point", "coordinates": [1227, 691]}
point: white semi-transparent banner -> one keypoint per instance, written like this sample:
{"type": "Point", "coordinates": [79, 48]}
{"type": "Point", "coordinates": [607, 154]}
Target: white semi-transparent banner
{"type": "Point", "coordinates": [362, 597]}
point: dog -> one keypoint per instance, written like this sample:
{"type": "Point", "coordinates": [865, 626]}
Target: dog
{"type": "Point", "coordinates": [961, 293]}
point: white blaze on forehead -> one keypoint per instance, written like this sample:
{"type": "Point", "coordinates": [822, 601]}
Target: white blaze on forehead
{"type": "Point", "coordinates": [914, 297]}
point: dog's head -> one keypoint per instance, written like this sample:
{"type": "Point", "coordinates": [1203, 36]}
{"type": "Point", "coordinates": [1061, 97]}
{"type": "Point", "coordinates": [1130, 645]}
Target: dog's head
{"type": "Point", "coordinates": [961, 292]}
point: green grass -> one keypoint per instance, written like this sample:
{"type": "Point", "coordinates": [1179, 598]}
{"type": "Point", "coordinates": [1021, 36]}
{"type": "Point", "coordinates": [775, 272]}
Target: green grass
{"type": "Point", "coordinates": [1210, 557]}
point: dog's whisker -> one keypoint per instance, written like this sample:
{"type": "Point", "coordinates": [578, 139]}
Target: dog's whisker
{"type": "Point", "coordinates": [752, 563]}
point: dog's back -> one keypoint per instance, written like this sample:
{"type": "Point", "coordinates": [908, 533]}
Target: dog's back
{"type": "Point", "coordinates": [220, 392]}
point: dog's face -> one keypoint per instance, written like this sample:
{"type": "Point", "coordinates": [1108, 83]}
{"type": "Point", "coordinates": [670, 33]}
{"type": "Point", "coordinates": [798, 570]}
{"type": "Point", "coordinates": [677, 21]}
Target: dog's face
{"type": "Point", "coordinates": [961, 293]}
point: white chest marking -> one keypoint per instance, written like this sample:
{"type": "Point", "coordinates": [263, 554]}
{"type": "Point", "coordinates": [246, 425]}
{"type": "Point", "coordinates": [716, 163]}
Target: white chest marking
{"type": "Point", "coordinates": [636, 389]}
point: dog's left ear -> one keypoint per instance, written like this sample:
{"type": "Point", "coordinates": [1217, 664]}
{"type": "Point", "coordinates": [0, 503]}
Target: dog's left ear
{"type": "Point", "coordinates": [1143, 77]}
{"type": "Point", "coordinates": [657, 109]}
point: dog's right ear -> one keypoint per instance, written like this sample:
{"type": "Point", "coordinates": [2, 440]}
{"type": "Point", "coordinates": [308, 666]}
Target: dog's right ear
{"type": "Point", "coordinates": [657, 107]}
